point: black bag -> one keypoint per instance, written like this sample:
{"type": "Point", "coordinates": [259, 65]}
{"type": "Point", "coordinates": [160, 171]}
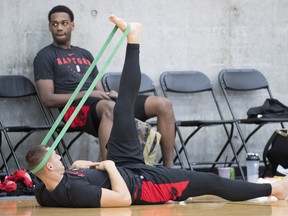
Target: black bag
{"type": "Point", "coordinates": [272, 108]}
{"type": "Point", "coordinates": [276, 151]}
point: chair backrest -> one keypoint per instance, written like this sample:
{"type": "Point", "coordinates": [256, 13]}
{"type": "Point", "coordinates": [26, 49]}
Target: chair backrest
{"type": "Point", "coordinates": [189, 83]}
{"type": "Point", "coordinates": [185, 81]}
{"type": "Point", "coordinates": [17, 87]}
{"type": "Point", "coordinates": [13, 86]}
{"type": "Point", "coordinates": [111, 81]}
{"type": "Point", "coordinates": [243, 82]}
{"type": "Point", "coordinates": [242, 79]}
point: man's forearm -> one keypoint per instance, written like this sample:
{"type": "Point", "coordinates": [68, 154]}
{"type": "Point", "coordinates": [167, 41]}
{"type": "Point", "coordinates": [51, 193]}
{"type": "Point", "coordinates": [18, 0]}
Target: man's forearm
{"type": "Point", "coordinates": [59, 100]}
{"type": "Point", "coordinates": [117, 182]}
{"type": "Point", "coordinates": [118, 195]}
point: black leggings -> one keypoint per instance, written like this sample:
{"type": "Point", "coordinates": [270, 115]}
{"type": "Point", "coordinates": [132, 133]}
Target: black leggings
{"type": "Point", "coordinates": [123, 145]}
{"type": "Point", "coordinates": [234, 190]}
{"type": "Point", "coordinates": [124, 149]}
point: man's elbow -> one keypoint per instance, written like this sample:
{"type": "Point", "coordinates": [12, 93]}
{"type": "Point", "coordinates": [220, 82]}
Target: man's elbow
{"type": "Point", "coordinates": [47, 104]}
{"type": "Point", "coordinates": [127, 201]}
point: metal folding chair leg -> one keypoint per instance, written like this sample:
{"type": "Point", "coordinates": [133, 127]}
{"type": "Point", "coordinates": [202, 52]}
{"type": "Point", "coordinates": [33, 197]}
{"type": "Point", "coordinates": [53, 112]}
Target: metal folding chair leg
{"type": "Point", "coordinates": [5, 165]}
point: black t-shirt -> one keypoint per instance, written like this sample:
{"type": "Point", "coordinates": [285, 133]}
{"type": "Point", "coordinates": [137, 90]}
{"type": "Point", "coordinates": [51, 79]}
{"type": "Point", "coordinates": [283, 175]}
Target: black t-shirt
{"type": "Point", "coordinates": [66, 67]}
{"type": "Point", "coordinates": [80, 188]}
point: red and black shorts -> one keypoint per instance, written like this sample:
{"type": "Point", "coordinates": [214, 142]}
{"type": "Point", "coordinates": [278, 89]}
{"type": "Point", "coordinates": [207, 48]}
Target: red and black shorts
{"type": "Point", "coordinates": [87, 118]}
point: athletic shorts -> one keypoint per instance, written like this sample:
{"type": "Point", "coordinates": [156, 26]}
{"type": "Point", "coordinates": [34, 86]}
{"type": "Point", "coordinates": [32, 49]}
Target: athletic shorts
{"type": "Point", "coordinates": [88, 120]}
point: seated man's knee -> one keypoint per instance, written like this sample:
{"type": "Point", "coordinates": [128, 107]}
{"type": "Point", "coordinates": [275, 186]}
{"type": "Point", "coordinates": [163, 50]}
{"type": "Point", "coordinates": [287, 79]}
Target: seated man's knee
{"type": "Point", "coordinates": [105, 109]}
{"type": "Point", "coordinates": [163, 106]}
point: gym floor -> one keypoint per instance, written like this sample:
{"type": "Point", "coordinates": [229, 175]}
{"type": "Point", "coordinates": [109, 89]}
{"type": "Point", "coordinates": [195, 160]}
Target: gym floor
{"type": "Point", "coordinates": [203, 205]}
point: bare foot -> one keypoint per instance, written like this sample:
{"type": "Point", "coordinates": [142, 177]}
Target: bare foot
{"type": "Point", "coordinates": [280, 188]}
{"type": "Point", "coordinates": [135, 32]}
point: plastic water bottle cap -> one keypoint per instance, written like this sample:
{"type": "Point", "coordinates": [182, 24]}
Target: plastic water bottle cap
{"type": "Point", "coordinates": [252, 156]}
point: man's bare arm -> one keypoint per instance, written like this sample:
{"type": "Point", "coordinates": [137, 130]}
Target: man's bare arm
{"type": "Point", "coordinates": [119, 195]}
{"type": "Point", "coordinates": [83, 164]}
{"type": "Point", "coordinates": [45, 89]}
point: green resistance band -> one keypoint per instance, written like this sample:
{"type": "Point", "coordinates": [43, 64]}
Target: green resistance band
{"type": "Point", "coordinates": [77, 90]}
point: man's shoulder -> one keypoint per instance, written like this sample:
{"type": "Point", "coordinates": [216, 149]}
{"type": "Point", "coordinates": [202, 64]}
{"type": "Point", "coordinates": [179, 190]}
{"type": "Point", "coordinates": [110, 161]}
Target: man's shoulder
{"type": "Point", "coordinates": [45, 49]}
{"type": "Point", "coordinates": [39, 186]}
{"type": "Point", "coordinates": [81, 49]}
{"type": "Point", "coordinates": [39, 189]}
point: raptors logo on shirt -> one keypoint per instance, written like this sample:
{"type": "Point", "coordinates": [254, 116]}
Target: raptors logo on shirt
{"type": "Point", "coordinates": [75, 172]}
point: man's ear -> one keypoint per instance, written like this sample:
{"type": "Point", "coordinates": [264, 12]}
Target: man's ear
{"type": "Point", "coordinates": [49, 166]}
{"type": "Point", "coordinates": [49, 26]}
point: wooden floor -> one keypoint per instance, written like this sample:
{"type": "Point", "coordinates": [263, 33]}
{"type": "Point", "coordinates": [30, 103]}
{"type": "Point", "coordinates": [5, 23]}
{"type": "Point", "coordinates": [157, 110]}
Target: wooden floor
{"type": "Point", "coordinates": [204, 205]}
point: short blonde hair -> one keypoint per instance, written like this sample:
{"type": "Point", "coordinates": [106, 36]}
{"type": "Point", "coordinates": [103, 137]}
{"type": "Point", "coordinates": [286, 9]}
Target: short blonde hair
{"type": "Point", "coordinates": [35, 155]}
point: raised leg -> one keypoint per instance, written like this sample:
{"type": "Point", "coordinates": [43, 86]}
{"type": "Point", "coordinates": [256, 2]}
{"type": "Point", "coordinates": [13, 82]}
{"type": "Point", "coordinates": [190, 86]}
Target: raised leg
{"type": "Point", "coordinates": [123, 145]}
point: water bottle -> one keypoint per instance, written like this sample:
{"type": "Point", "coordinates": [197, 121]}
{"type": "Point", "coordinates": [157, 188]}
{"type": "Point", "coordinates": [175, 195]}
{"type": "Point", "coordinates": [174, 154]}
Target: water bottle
{"type": "Point", "coordinates": [252, 163]}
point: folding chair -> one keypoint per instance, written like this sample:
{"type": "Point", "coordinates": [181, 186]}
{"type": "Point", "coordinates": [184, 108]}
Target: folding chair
{"type": "Point", "coordinates": [243, 87]}
{"type": "Point", "coordinates": [19, 91]}
{"type": "Point", "coordinates": [111, 80]}
{"type": "Point", "coordinates": [192, 91]}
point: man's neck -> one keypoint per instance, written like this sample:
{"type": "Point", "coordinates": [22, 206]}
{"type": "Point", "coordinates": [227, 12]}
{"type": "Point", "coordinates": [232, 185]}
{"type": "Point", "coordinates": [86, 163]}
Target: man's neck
{"type": "Point", "coordinates": [62, 46]}
{"type": "Point", "coordinates": [51, 180]}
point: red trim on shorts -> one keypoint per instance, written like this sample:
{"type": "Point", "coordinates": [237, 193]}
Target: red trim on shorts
{"type": "Point", "coordinates": [80, 119]}
{"type": "Point", "coordinates": [156, 193]}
